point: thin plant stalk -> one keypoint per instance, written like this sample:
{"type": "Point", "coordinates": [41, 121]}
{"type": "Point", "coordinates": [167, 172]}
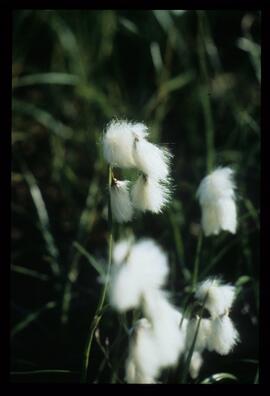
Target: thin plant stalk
{"type": "Point", "coordinates": [190, 353]}
{"type": "Point", "coordinates": [197, 261]}
{"type": "Point", "coordinates": [205, 95]}
{"type": "Point", "coordinates": [99, 310]}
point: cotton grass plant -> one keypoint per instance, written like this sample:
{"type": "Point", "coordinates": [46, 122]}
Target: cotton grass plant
{"type": "Point", "coordinates": [164, 336]}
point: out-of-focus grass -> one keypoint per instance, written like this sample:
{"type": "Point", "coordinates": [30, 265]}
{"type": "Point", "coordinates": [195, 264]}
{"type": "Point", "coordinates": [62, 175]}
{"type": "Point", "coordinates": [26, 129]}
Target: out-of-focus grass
{"type": "Point", "coordinates": [194, 78]}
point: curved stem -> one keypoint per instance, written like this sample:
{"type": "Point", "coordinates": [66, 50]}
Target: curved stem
{"type": "Point", "coordinates": [99, 310]}
{"type": "Point", "coordinates": [197, 261]}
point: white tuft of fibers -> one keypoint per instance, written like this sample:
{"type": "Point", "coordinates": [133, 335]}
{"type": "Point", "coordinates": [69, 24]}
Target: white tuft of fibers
{"type": "Point", "coordinates": [145, 267]}
{"type": "Point", "coordinates": [149, 265]}
{"type": "Point", "coordinates": [224, 335]}
{"type": "Point", "coordinates": [152, 160]}
{"type": "Point", "coordinates": [195, 364]}
{"type": "Point", "coordinates": [122, 209]}
{"type": "Point", "coordinates": [216, 195]}
{"type": "Point", "coordinates": [165, 320]}
{"type": "Point", "coordinates": [203, 335]}
{"type": "Point", "coordinates": [118, 142]}
{"type": "Point", "coordinates": [124, 291]}
{"type": "Point", "coordinates": [150, 194]}
{"type": "Point", "coordinates": [121, 250]}
{"type": "Point", "coordinates": [220, 297]}
{"type": "Point", "coordinates": [142, 366]}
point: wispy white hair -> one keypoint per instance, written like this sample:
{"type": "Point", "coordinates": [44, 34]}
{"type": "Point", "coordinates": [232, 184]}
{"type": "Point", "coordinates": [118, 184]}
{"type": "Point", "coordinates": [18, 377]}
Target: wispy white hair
{"type": "Point", "coordinates": [122, 209]}
{"type": "Point", "coordinates": [165, 320]}
{"type": "Point", "coordinates": [151, 159]}
{"type": "Point", "coordinates": [224, 335]}
{"type": "Point", "coordinates": [195, 364]}
{"type": "Point", "coordinates": [216, 194]}
{"type": "Point", "coordinates": [145, 267]}
{"type": "Point", "coordinates": [142, 366]}
{"type": "Point", "coordinates": [203, 334]}
{"type": "Point", "coordinates": [121, 250]}
{"type": "Point", "coordinates": [118, 142]}
{"type": "Point", "coordinates": [220, 297]}
{"type": "Point", "coordinates": [150, 194]}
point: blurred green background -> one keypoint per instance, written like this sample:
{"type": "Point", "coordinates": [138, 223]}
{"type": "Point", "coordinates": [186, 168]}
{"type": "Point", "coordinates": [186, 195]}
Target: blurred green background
{"type": "Point", "coordinates": [194, 78]}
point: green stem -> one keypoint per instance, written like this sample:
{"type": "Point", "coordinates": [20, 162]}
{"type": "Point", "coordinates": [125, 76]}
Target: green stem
{"type": "Point", "coordinates": [190, 353]}
{"type": "Point", "coordinates": [197, 261]}
{"type": "Point", "coordinates": [205, 95]}
{"type": "Point", "coordinates": [99, 310]}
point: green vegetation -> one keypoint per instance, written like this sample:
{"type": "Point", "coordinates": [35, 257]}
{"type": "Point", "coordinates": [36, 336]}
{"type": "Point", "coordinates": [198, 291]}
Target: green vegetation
{"type": "Point", "coordinates": [194, 79]}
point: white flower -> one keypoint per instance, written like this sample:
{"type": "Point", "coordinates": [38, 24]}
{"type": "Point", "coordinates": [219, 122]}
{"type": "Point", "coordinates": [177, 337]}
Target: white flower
{"type": "Point", "coordinates": [217, 199]}
{"type": "Point", "coordinates": [119, 140]}
{"type": "Point", "coordinates": [142, 365]}
{"type": "Point", "coordinates": [203, 334]}
{"type": "Point", "coordinates": [121, 250]}
{"type": "Point", "coordinates": [220, 297]}
{"type": "Point", "coordinates": [122, 209]}
{"type": "Point", "coordinates": [224, 336]}
{"type": "Point", "coordinates": [165, 320]}
{"type": "Point", "coordinates": [124, 291]}
{"type": "Point", "coordinates": [152, 160]}
{"type": "Point", "coordinates": [195, 364]}
{"type": "Point", "coordinates": [149, 194]}
{"type": "Point", "coordinates": [145, 267]}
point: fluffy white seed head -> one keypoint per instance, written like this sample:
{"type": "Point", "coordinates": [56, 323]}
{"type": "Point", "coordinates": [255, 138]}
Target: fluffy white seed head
{"type": "Point", "coordinates": [203, 334]}
{"type": "Point", "coordinates": [152, 160]}
{"type": "Point", "coordinates": [217, 199]}
{"type": "Point", "coordinates": [219, 184]}
{"type": "Point", "coordinates": [122, 209]}
{"type": "Point", "coordinates": [150, 194]}
{"type": "Point", "coordinates": [121, 251]}
{"type": "Point", "coordinates": [195, 364]}
{"type": "Point", "coordinates": [165, 320]}
{"type": "Point", "coordinates": [145, 267]}
{"type": "Point", "coordinates": [142, 365]}
{"type": "Point", "coordinates": [124, 291]}
{"type": "Point", "coordinates": [224, 335]}
{"type": "Point", "coordinates": [220, 297]}
{"type": "Point", "coordinates": [118, 142]}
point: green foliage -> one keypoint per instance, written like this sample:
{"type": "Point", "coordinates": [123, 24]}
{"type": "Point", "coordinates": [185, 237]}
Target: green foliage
{"type": "Point", "coordinates": [194, 78]}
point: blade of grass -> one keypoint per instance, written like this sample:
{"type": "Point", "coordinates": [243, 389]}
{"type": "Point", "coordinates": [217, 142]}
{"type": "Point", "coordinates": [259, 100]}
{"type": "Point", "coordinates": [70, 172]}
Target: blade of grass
{"type": "Point", "coordinates": [98, 314]}
{"type": "Point", "coordinates": [46, 78]}
{"type": "Point", "coordinates": [29, 272]}
{"type": "Point", "coordinates": [218, 378]}
{"type": "Point", "coordinates": [31, 318]}
{"type": "Point", "coordinates": [43, 219]}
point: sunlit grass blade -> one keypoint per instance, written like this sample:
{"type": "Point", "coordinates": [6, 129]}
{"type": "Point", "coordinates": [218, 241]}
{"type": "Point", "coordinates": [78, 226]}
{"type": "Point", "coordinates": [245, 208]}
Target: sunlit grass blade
{"type": "Point", "coordinates": [29, 272]}
{"type": "Point", "coordinates": [219, 377]}
{"type": "Point", "coordinates": [46, 78]}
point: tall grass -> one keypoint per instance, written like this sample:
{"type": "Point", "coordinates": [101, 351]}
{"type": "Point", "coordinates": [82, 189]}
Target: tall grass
{"type": "Point", "coordinates": [194, 78]}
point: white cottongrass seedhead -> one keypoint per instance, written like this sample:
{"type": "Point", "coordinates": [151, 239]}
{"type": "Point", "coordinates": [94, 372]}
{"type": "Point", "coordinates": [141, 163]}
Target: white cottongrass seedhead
{"type": "Point", "coordinates": [149, 194]}
{"type": "Point", "coordinates": [152, 160]}
{"type": "Point", "coordinates": [142, 366]}
{"type": "Point", "coordinates": [145, 267]}
{"type": "Point", "coordinates": [121, 250]}
{"type": "Point", "coordinates": [203, 334]}
{"type": "Point", "coordinates": [165, 320]}
{"type": "Point", "coordinates": [220, 297]}
{"type": "Point", "coordinates": [224, 335]}
{"type": "Point", "coordinates": [195, 364]}
{"type": "Point", "coordinates": [122, 209]}
{"type": "Point", "coordinates": [118, 142]}
{"type": "Point", "coordinates": [216, 194]}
